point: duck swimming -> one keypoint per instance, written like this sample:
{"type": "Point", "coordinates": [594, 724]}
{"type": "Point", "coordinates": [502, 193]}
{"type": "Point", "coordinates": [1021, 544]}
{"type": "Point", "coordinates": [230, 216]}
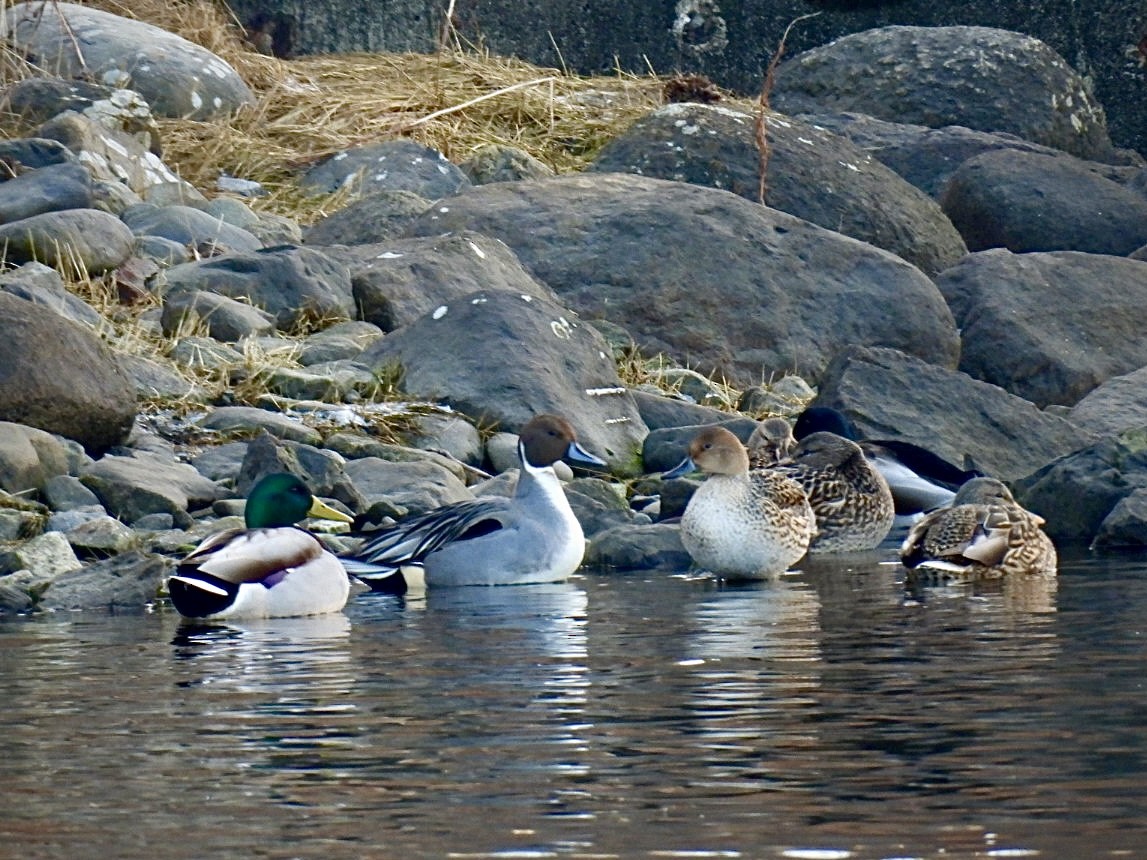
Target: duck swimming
{"type": "Point", "coordinates": [270, 569]}
{"type": "Point", "coordinates": [985, 534]}
{"type": "Point", "coordinates": [741, 524]}
{"type": "Point", "coordinates": [851, 499]}
{"type": "Point", "coordinates": [530, 538]}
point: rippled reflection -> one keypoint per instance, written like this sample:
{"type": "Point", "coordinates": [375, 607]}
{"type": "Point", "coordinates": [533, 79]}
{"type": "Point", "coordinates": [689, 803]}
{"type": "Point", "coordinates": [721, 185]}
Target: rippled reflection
{"type": "Point", "coordinates": [835, 713]}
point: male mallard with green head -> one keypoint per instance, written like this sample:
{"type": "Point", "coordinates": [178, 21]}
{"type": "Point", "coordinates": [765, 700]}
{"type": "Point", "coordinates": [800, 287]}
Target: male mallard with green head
{"type": "Point", "coordinates": [271, 568]}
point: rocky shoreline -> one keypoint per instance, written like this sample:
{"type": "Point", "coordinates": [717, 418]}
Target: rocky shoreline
{"type": "Point", "coordinates": [972, 291]}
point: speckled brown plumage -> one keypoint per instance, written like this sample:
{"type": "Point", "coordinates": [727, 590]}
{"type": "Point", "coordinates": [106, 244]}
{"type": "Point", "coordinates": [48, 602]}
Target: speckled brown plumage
{"type": "Point", "coordinates": [742, 524]}
{"type": "Point", "coordinates": [985, 534]}
{"type": "Point", "coordinates": [851, 500]}
{"type": "Point", "coordinates": [771, 442]}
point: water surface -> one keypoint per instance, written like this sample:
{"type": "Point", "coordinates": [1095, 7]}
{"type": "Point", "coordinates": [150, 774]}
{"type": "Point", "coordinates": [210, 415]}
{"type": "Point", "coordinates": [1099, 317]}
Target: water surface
{"type": "Point", "coordinates": [834, 714]}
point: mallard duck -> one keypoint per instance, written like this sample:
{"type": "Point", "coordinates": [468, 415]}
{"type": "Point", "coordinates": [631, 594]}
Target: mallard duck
{"type": "Point", "coordinates": [771, 442]}
{"type": "Point", "coordinates": [530, 538]}
{"type": "Point", "coordinates": [985, 534]}
{"type": "Point", "coordinates": [270, 569]}
{"type": "Point", "coordinates": [740, 523]}
{"type": "Point", "coordinates": [851, 499]}
{"type": "Point", "coordinates": [919, 479]}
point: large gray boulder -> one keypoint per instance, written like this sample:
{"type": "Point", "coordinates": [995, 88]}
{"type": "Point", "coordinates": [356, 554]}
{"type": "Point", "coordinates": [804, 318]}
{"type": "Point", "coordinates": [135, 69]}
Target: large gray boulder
{"type": "Point", "coordinates": [889, 395]}
{"type": "Point", "coordinates": [731, 287]}
{"type": "Point", "coordinates": [299, 287]}
{"type": "Point", "coordinates": [813, 174]}
{"type": "Point", "coordinates": [927, 157]}
{"type": "Point", "coordinates": [177, 77]}
{"type": "Point", "coordinates": [500, 357]}
{"type": "Point", "coordinates": [59, 377]}
{"type": "Point", "coordinates": [133, 485]}
{"type": "Point", "coordinates": [980, 77]}
{"type": "Point", "coordinates": [1116, 405]}
{"type": "Point", "coordinates": [1077, 493]}
{"type": "Point", "coordinates": [1028, 201]}
{"type": "Point", "coordinates": [397, 281]}
{"type": "Point", "coordinates": [1048, 327]}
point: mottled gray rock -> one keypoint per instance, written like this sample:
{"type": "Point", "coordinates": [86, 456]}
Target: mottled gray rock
{"type": "Point", "coordinates": [42, 285]}
{"type": "Point", "coordinates": [812, 174]}
{"type": "Point", "coordinates": [129, 581]}
{"type": "Point", "coordinates": [1126, 525]}
{"type": "Point", "coordinates": [17, 524]}
{"type": "Point", "coordinates": [394, 165]}
{"type": "Point", "coordinates": [45, 557]}
{"type": "Point", "coordinates": [356, 446]}
{"type": "Point", "coordinates": [889, 395]}
{"type": "Point", "coordinates": [1048, 327]}
{"type": "Point", "coordinates": [411, 487]}
{"type": "Point", "coordinates": [299, 286]}
{"type": "Point", "coordinates": [543, 360]}
{"type": "Point", "coordinates": [638, 547]}
{"type": "Point", "coordinates": [29, 458]}
{"type": "Point", "coordinates": [220, 462]}
{"type": "Point", "coordinates": [45, 189]}
{"type": "Point", "coordinates": [177, 77]}
{"type": "Point", "coordinates": [1027, 201]}
{"type": "Point", "coordinates": [68, 493]}
{"type": "Point", "coordinates": [323, 471]}
{"type": "Point", "coordinates": [249, 420]}
{"type": "Point", "coordinates": [29, 153]}
{"type": "Point", "coordinates": [61, 378]}
{"type": "Point", "coordinates": [100, 537]}
{"type": "Point", "coordinates": [188, 226]}
{"type": "Point", "coordinates": [451, 434]}
{"type": "Point", "coordinates": [627, 249]}
{"type": "Point", "coordinates": [927, 157]}
{"type": "Point", "coordinates": [132, 486]}
{"type": "Point", "coordinates": [599, 507]}
{"type": "Point", "coordinates": [152, 379]}
{"type": "Point", "coordinates": [1116, 405]}
{"type": "Point", "coordinates": [224, 319]}
{"type": "Point", "coordinates": [979, 77]}
{"type": "Point", "coordinates": [330, 382]}
{"type": "Point", "coordinates": [497, 162]}
{"type": "Point", "coordinates": [398, 281]}
{"type": "Point", "coordinates": [1076, 493]}
{"type": "Point", "coordinates": [88, 238]}
{"type": "Point", "coordinates": [340, 341]}
{"type": "Point", "coordinates": [658, 410]}
{"type": "Point", "coordinates": [374, 217]}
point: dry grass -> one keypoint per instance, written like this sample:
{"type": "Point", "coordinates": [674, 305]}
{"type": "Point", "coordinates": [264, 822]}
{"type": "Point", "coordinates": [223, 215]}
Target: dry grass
{"type": "Point", "coordinates": [309, 108]}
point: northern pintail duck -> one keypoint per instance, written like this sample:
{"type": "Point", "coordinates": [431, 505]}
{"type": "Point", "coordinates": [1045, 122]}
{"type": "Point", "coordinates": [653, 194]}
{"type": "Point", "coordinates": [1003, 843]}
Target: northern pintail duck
{"type": "Point", "coordinates": [270, 569]}
{"type": "Point", "coordinates": [985, 534]}
{"type": "Point", "coordinates": [919, 479]}
{"type": "Point", "coordinates": [851, 499]}
{"type": "Point", "coordinates": [740, 523]}
{"type": "Point", "coordinates": [529, 538]}
{"type": "Point", "coordinates": [771, 442]}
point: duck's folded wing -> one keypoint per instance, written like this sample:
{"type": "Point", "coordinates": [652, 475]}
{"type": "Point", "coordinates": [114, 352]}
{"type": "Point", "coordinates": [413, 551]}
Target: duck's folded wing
{"type": "Point", "coordinates": [253, 555]}
{"type": "Point", "coordinates": [412, 539]}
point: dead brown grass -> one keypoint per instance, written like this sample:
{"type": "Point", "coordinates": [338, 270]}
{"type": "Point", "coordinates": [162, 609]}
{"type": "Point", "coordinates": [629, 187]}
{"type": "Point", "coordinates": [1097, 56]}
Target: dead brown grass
{"type": "Point", "coordinates": [309, 108]}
